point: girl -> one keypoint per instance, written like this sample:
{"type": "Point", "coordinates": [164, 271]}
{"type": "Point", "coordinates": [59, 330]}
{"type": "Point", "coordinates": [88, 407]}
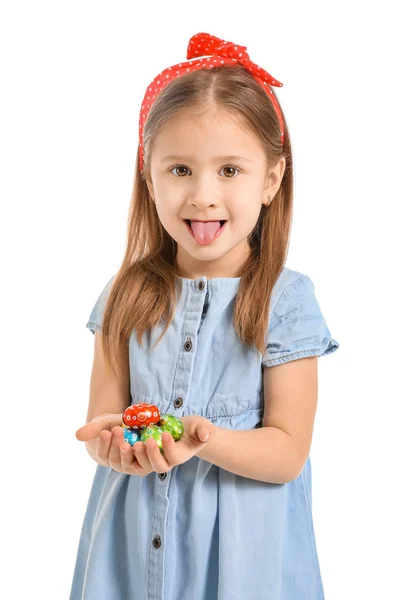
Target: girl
{"type": "Point", "coordinates": [204, 320]}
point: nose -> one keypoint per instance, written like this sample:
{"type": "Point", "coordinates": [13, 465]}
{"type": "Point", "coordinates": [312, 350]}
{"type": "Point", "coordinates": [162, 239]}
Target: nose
{"type": "Point", "coordinates": [203, 193]}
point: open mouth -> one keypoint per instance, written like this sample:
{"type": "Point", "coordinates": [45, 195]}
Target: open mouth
{"type": "Point", "coordinates": [202, 237]}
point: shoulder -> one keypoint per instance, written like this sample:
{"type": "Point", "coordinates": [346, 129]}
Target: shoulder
{"type": "Point", "coordinates": [297, 327]}
{"type": "Point", "coordinates": [289, 284]}
{"type": "Point", "coordinates": [106, 289]}
{"type": "Point", "coordinates": [103, 297]}
{"type": "Point", "coordinates": [96, 316]}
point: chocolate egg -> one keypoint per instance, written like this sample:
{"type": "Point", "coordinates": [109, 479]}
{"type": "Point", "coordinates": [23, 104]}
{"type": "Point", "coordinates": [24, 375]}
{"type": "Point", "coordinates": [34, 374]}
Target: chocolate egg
{"type": "Point", "coordinates": [131, 436]}
{"type": "Point", "coordinates": [139, 416]}
{"type": "Point", "coordinates": [172, 425]}
{"type": "Point", "coordinates": [153, 432]}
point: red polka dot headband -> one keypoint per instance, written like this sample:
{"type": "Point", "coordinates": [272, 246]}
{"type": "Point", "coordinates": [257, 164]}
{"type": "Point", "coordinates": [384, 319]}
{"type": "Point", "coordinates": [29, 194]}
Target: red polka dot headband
{"type": "Point", "coordinates": [219, 52]}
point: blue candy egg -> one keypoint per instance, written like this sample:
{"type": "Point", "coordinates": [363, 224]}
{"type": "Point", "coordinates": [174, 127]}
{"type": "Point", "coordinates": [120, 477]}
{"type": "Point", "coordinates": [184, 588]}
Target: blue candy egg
{"type": "Point", "coordinates": [131, 436]}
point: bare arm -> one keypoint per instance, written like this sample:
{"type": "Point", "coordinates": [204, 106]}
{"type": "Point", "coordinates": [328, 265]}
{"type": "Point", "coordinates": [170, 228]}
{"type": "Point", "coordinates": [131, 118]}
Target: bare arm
{"type": "Point", "coordinates": [108, 394]}
{"type": "Point", "coordinates": [276, 452]}
{"type": "Point", "coordinates": [266, 454]}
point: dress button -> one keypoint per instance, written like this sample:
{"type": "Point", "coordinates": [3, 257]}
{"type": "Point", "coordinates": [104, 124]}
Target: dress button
{"type": "Point", "coordinates": [188, 345]}
{"type": "Point", "coordinates": [157, 541]}
{"type": "Point", "coordinates": [201, 285]}
{"type": "Point", "coordinates": [162, 476]}
{"type": "Point", "coordinates": [178, 402]}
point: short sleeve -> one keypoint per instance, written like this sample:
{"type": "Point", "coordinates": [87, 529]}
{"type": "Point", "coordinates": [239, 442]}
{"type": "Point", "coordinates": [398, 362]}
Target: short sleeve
{"type": "Point", "coordinates": [297, 328]}
{"type": "Point", "coordinates": [96, 316]}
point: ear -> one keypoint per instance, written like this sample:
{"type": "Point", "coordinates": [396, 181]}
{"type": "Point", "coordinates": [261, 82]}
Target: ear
{"type": "Point", "coordinates": [274, 179]}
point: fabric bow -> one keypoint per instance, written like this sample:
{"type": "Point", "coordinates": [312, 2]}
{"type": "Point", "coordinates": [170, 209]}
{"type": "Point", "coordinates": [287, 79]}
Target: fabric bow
{"type": "Point", "coordinates": [218, 52]}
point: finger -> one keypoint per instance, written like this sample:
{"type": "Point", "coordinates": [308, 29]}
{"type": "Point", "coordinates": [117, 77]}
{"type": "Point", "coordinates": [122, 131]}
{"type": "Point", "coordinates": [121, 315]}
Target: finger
{"type": "Point", "coordinates": [103, 447]}
{"type": "Point", "coordinates": [172, 452]}
{"type": "Point", "coordinates": [202, 432]}
{"type": "Point", "coordinates": [92, 429]}
{"type": "Point", "coordinates": [156, 459]}
{"type": "Point", "coordinates": [141, 456]}
{"type": "Point", "coordinates": [136, 469]}
{"type": "Point", "coordinates": [127, 458]}
{"type": "Point", "coordinates": [114, 456]}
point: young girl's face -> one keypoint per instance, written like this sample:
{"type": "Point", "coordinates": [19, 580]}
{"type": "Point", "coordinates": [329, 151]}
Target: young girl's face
{"type": "Point", "coordinates": [210, 168]}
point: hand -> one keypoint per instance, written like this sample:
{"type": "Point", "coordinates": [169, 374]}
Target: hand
{"type": "Point", "coordinates": [144, 457]}
{"type": "Point", "coordinates": [110, 450]}
{"type": "Point", "coordinates": [149, 457]}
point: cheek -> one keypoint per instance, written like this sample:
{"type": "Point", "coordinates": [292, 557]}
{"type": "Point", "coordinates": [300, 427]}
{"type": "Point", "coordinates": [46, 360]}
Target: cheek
{"type": "Point", "coordinates": [244, 220]}
{"type": "Point", "coordinates": [244, 212]}
{"type": "Point", "coordinates": [168, 213]}
{"type": "Point", "coordinates": [165, 204]}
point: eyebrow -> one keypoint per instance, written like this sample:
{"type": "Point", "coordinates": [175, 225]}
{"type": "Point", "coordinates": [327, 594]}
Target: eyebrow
{"type": "Point", "coordinates": [216, 159]}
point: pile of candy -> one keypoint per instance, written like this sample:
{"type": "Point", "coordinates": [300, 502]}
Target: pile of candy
{"type": "Point", "coordinates": [143, 421]}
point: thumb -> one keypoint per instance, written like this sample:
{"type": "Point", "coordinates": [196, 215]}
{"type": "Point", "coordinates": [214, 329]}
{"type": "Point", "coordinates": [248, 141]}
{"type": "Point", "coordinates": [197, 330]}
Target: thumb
{"type": "Point", "coordinates": [92, 429]}
{"type": "Point", "coordinates": [203, 433]}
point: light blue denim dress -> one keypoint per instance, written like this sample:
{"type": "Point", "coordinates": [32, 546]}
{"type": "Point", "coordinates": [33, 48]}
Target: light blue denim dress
{"type": "Point", "coordinates": [200, 532]}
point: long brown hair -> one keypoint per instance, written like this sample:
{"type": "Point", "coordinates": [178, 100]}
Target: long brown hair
{"type": "Point", "coordinates": [143, 291]}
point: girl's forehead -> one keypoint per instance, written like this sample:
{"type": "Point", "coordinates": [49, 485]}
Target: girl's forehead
{"type": "Point", "coordinates": [228, 135]}
{"type": "Point", "coordinates": [213, 114]}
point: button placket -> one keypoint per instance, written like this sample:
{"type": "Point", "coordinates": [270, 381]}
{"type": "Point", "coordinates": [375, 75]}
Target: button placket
{"type": "Point", "coordinates": [200, 285]}
{"type": "Point", "coordinates": [181, 389]}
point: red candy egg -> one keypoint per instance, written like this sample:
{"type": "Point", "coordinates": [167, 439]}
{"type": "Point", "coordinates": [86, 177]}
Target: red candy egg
{"type": "Point", "coordinates": [139, 416]}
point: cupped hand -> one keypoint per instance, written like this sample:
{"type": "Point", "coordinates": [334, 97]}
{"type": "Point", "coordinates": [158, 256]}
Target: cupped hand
{"type": "Point", "coordinates": [145, 457]}
{"type": "Point", "coordinates": [111, 449]}
{"type": "Point", "coordinates": [197, 431]}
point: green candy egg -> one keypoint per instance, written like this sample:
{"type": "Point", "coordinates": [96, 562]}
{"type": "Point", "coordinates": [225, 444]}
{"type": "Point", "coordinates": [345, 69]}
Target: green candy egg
{"type": "Point", "coordinates": [172, 425]}
{"type": "Point", "coordinates": [154, 432]}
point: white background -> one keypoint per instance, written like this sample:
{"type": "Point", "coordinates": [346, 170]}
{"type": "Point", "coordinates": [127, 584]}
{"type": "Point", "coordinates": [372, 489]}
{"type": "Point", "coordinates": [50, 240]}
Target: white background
{"type": "Point", "coordinates": [73, 76]}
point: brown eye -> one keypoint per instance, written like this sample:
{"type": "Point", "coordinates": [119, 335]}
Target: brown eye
{"type": "Point", "coordinates": [231, 169]}
{"type": "Point", "coordinates": [178, 167]}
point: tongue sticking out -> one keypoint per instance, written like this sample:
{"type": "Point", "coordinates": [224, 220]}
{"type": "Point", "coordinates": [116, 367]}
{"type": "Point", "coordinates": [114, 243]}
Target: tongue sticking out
{"type": "Point", "coordinates": [204, 233]}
